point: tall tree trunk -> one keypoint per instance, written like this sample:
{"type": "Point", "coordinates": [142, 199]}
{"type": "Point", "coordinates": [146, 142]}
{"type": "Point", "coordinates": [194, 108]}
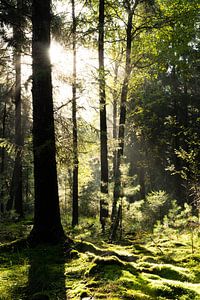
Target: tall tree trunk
{"type": "Point", "coordinates": [103, 122]}
{"type": "Point", "coordinates": [2, 167]}
{"type": "Point", "coordinates": [178, 181]}
{"type": "Point", "coordinates": [16, 196]}
{"type": "Point", "coordinates": [74, 120]}
{"type": "Point", "coordinates": [115, 97]}
{"type": "Point", "coordinates": [121, 134]}
{"type": "Point", "coordinates": [47, 223]}
{"type": "Point", "coordinates": [114, 136]}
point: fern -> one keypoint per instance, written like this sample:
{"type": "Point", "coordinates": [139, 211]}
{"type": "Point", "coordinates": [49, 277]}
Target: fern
{"type": "Point", "coordinates": [11, 148]}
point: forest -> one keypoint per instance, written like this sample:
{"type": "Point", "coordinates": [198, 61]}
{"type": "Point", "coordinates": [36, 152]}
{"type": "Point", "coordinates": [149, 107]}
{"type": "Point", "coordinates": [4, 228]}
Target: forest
{"type": "Point", "coordinates": [99, 149]}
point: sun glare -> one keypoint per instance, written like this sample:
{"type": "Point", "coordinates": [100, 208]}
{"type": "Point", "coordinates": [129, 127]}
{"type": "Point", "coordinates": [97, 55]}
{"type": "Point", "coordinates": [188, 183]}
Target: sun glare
{"type": "Point", "coordinates": [57, 53]}
{"type": "Point", "coordinates": [62, 69]}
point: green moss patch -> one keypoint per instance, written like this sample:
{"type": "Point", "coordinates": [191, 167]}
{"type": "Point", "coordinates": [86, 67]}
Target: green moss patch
{"type": "Point", "coordinates": [167, 271]}
{"type": "Point", "coordinates": [107, 271]}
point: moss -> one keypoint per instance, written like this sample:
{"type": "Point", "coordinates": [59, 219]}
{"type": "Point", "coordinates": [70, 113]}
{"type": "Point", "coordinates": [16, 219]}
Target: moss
{"type": "Point", "coordinates": [76, 268]}
{"type": "Point", "coordinates": [141, 249]}
{"type": "Point", "coordinates": [15, 245]}
{"type": "Point", "coordinates": [171, 291]}
{"type": "Point", "coordinates": [77, 290]}
{"type": "Point", "coordinates": [136, 295]}
{"type": "Point", "coordinates": [13, 281]}
{"type": "Point", "coordinates": [88, 247]}
{"type": "Point", "coordinates": [98, 266]}
{"type": "Point", "coordinates": [138, 272]}
{"type": "Point", "coordinates": [167, 271]}
{"type": "Point", "coordinates": [72, 254]}
{"type": "Point", "coordinates": [170, 273]}
{"type": "Point", "coordinates": [150, 259]}
{"type": "Point", "coordinates": [93, 284]}
{"type": "Point", "coordinates": [84, 294]}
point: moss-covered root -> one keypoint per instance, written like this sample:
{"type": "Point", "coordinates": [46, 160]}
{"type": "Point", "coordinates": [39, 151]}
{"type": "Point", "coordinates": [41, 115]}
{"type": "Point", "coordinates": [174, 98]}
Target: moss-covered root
{"type": "Point", "coordinates": [98, 265]}
{"type": "Point", "coordinates": [88, 247]}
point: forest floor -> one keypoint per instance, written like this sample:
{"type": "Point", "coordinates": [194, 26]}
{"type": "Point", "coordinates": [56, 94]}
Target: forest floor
{"type": "Point", "coordinates": [143, 267]}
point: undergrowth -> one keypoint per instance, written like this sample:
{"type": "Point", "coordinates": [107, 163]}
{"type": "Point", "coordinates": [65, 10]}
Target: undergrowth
{"type": "Point", "coordinates": [155, 266]}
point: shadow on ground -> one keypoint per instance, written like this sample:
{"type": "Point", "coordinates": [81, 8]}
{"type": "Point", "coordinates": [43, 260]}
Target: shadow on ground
{"type": "Point", "coordinates": [46, 278]}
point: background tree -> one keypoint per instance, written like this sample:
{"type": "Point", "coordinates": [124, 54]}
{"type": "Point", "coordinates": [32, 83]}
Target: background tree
{"type": "Point", "coordinates": [160, 135]}
{"type": "Point", "coordinates": [74, 120]}
{"type": "Point", "coordinates": [103, 120]}
{"type": "Point", "coordinates": [130, 8]}
{"type": "Point", "coordinates": [165, 102]}
{"type": "Point", "coordinates": [16, 189]}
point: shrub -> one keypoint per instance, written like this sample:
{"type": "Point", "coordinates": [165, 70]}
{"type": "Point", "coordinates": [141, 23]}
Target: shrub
{"type": "Point", "coordinates": [143, 214]}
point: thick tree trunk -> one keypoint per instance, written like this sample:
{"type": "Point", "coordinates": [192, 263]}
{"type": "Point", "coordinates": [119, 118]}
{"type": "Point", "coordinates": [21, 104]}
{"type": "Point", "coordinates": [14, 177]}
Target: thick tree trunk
{"type": "Point", "coordinates": [47, 223]}
{"type": "Point", "coordinates": [103, 122]}
{"type": "Point", "coordinates": [121, 134]}
{"type": "Point", "coordinates": [75, 129]}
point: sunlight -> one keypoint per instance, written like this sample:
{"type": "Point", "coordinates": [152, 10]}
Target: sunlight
{"type": "Point", "coordinates": [57, 53]}
{"type": "Point", "coordinates": [62, 68]}
{"type": "Point", "coordinates": [60, 57]}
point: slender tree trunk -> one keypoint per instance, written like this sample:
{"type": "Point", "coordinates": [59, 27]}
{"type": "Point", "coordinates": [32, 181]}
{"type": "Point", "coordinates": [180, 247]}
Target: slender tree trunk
{"type": "Point", "coordinates": [115, 97]}
{"type": "Point", "coordinates": [16, 195]}
{"type": "Point", "coordinates": [141, 177]}
{"type": "Point", "coordinates": [47, 223]}
{"type": "Point", "coordinates": [103, 122]}
{"type": "Point", "coordinates": [121, 134]}
{"type": "Point", "coordinates": [178, 182]}
{"type": "Point", "coordinates": [75, 129]}
{"type": "Point", "coordinates": [185, 121]}
{"type": "Point", "coordinates": [2, 167]}
{"type": "Point", "coordinates": [149, 168]}
{"type": "Point", "coordinates": [114, 136]}
{"type": "Point", "coordinates": [27, 185]}
{"type": "Point", "coordinates": [124, 93]}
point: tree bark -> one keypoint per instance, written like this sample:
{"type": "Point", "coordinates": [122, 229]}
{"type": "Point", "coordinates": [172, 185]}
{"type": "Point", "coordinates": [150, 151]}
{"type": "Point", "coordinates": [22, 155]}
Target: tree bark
{"type": "Point", "coordinates": [122, 120]}
{"type": "Point", "coordinates": [2, 168]}
{"type": "Point", "coordinates": [16, 195]}
{"type": "Point", "coordinates": [124, 93]}
{"type": "Point", "coordinates": [75, 214]}
{"type": "Point", "coordinates": [115, 111]}
{"type": "Point", "coordinates": [47, 223]}
{"type": "Point", "coordinates": [103, 121]}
